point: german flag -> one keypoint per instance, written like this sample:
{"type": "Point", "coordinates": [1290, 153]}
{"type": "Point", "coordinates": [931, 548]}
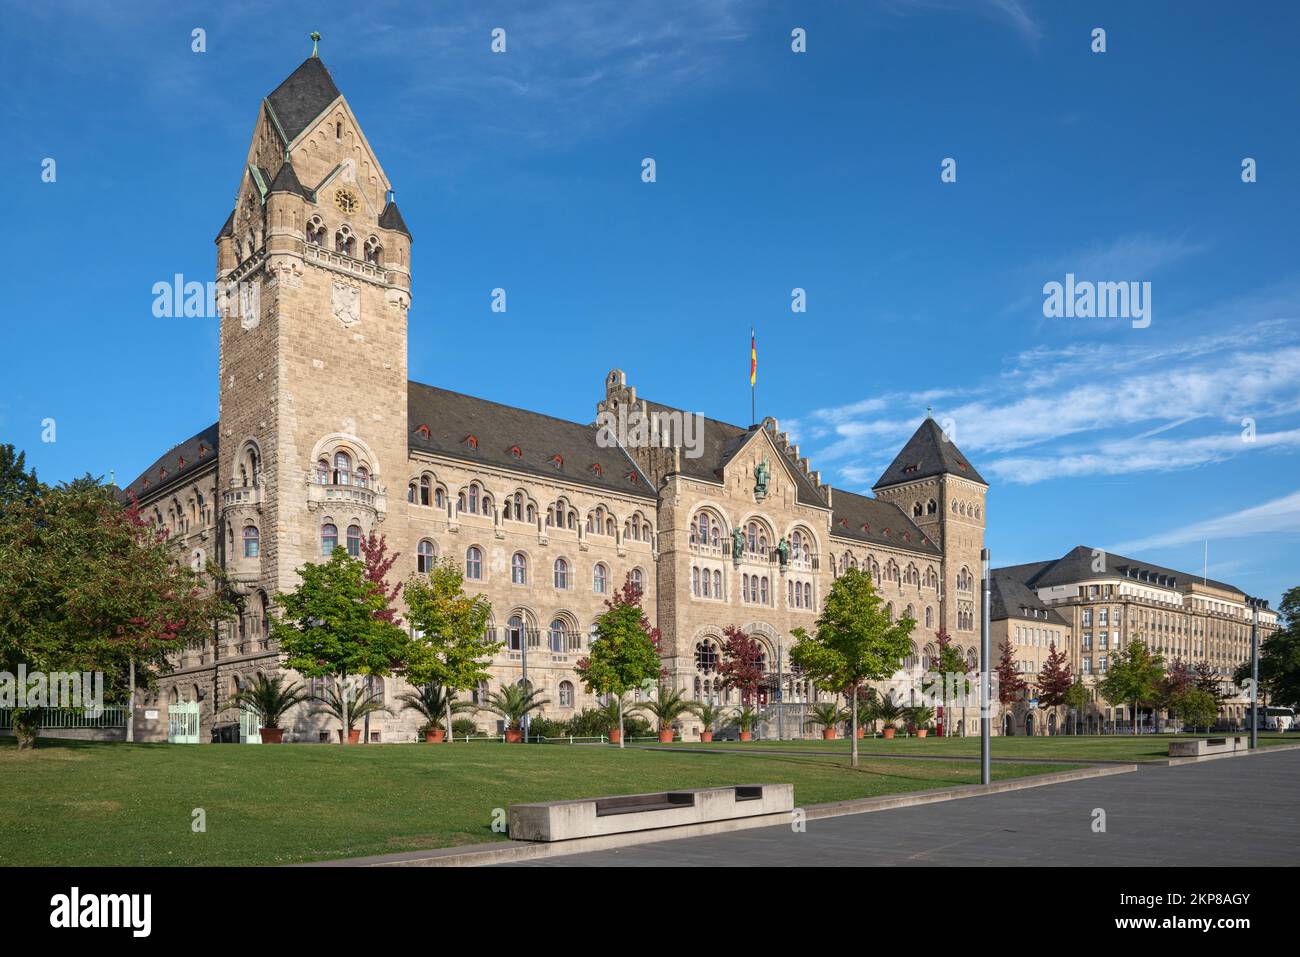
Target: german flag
{"type": "Point", "coordinates": [753, 359]}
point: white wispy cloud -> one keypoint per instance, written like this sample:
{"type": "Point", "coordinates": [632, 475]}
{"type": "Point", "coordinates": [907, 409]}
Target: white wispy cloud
{"type": "Point", "coordinates": [1281, 515]}
{"type": "Point", "coordinates": [1014, 13]}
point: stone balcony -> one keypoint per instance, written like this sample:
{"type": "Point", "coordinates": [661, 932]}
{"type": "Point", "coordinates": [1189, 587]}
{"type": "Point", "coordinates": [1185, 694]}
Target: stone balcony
{"type": "Point", "coordinates": [368, 498]}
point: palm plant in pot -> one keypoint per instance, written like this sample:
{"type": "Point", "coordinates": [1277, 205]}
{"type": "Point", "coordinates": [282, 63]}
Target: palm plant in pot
{"type": "Point", "coordinates": [271, 698]}
{"type": "Point", "coordinates": [710, 715]}
{"type": "Point", "coordinates": [888, 713]}
{"type": "Point", "coordinates": [609, 714]}
{"type": "Point", "coordinates": [514, 703]}
{"type": "Point", "coordinates": [868, 711]}
{"type": "Point", "coordinates": [668, 705]}
{"type": "Point", "coordinates": [745, 719]}
{"type": "Point", "coordinates": [359, 704]}
{"type": "Point", "coordinates": [430, 701]}
{"type": "Point", "coordinates": [828, 715]}
{"type": "Point", "coordinates": [919, 717]}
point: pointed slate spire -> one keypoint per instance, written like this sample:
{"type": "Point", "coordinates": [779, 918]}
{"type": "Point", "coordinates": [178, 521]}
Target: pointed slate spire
{"type": "Point", "coordinates": [390, 218]}
{"type": "Point", "coordinates": [304, 95]}
{"type": "Point", "coordinates": [928, 453]}
{"type": "Point", "coordinates": [286, 181]}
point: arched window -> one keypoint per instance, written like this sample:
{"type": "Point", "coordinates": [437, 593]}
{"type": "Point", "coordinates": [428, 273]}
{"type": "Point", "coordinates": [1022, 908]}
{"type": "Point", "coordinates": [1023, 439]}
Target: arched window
{"type": "Point", "coordinates": [342, 468]}
{"type": "Point", "coordinates": [316, 231]}
{"type": "Point", "coordinates": [599, 579]}
{"type": "Point", "coordinates": [916, 509]}
{"type": "Point", "coordinates": [717, 584]}
{"type": "Point", "coordinates": [424, 490]}
{"type": "Point", "coordinates": [473, 563]}
{"type": "Point", "coordinates": [807, 595]}
{"type": "Point", "coordinates": [695, 582]}
{"type": "Point", "coordinates": [929, 617]}
{"type": "Point", "coordinates": [519, 569]}
{"type": "Point", "coordinates": [373, 251]}
{"type": "Point", "coordinates": [763, 584]}
{"type": "Point", "coordinates": [322, 472]}
{"type": "Point", "coordinates": [636, 578]}
{"type": "Point", "coordinates": [473, 499]}
{"type": "Point", "coordinates": [363, 476]}
{"type": "Point", "coordinates": [515, 634]}
{"type": "Point", "coordinates": [424, 556]}
{"type": "Point", "coordinates": [566, 694]}
{"type": "Point", "coordinates": [557, 636]}
{"type": "Point", "coordinates": [345, 242]}
{"type": "Point", "coordinates": [329, 539]}
{"type": "Point", "coordinates": [252, 542]}
{"type": "Point", "coordinates": [561, 573]}
{"type": "Point", "coordinates": [706, 656]}
{"type": "Point", "coordinates": [931, 507]}
{"type": "Point", "coordinates": [354, 540]}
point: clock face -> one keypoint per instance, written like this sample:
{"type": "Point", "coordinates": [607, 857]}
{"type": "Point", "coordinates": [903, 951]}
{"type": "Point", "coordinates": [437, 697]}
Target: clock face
{"type": "Point", "coordinates": [346, 200]}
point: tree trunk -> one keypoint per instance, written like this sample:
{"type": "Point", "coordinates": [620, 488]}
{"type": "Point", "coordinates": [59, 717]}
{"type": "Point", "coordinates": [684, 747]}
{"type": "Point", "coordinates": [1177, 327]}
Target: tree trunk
{"type": "Point", "coordinates": [853, 732]}
{"type": "Point", "coordinates": [130, 708]}
{"type": "Point", "coordinates": [451, 737]}
{"type": "Point", "coordinates": [620, 722]}
{"type": "Point", "coordinates": [343, 707]}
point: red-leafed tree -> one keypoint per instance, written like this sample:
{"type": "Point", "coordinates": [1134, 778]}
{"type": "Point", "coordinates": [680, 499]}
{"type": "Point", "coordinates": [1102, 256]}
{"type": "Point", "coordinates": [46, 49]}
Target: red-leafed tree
{"type": "Point", "coordinates": [1011, 685]}
{"type": "Point", "coordinates": [1054, 680]}
{"type": "Point", "coordinates": [742, 664]}
{"type": "Point", "coordinates": [374, 552]}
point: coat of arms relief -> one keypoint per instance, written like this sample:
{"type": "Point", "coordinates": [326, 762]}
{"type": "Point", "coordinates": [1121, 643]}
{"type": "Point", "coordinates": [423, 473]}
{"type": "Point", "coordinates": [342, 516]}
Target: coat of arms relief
{"type": "Point", "coordinates": [346, 303]}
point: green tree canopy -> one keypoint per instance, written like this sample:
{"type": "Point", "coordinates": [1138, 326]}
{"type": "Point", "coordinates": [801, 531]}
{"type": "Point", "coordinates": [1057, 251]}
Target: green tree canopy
{"type": "Point", "coordinates": [625, 651]}
{"type": "Point", "coordinates": [854, 641]}
{"type": "Point", "coordinates": [1135, 677]}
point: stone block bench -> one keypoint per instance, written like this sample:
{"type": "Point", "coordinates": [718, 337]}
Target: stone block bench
{"type": "Point", "coordinates": [591, 817]}
{"type": "Point", "coordinates": [1199, 747]}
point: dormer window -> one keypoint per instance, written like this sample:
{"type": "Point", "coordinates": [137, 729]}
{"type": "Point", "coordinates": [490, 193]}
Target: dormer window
{"type": "Point", "coordinates": [557, 461]}
{"type": "Point", "coordinates": [516, 452]}
{"type": "Point", "coordinates": [423, 432]}
{"type": "Point", "coordinates": [471, 441]}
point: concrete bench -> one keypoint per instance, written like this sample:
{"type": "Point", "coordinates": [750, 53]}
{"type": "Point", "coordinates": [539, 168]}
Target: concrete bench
{"type": "Point", "coordinates": [589, 817]}
{"type": "Point", "coordinates": [1198, 747]}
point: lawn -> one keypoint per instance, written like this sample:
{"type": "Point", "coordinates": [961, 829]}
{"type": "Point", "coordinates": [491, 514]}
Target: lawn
{"type": "Point", "coordinates": [79, 803]}
{"type": "Point", "coordinates": [1144, 747]}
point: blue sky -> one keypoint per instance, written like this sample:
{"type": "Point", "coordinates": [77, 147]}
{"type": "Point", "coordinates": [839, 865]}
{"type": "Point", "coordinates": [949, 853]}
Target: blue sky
{"type": "Point", "coordinates": [775, 170]}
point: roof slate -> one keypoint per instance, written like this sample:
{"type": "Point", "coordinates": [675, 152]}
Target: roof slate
{"type": "Point", "coordinates": [880, 523]}
{"type": "Point", "coordinates": [928, 453]}
{"type": "Point", "coordinates": [302, 97]}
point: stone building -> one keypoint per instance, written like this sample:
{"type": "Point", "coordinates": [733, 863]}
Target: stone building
{"type": "Point", "coordinates": [321, 438]}
{"type": "Point", "coordinates": [1091, 604]}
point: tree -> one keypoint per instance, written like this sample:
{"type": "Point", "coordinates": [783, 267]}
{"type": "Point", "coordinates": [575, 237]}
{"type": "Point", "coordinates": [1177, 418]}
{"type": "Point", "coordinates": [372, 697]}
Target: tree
{"type": "Point", "coordinates": [514, 703]}
{"type": "Point", "coordinates": [1134, 678]}
{"type": "Point", "coordinates": [668, 705]}
{"type": "Point", "coordinates": [1011, 684]}
{"type": "Point", "coordinates": [374, 553]}
{"type": "Point", "coordinates": [1196, 708]}
{"type": "Point", "coordinates": [1207, 679]}
{"type": "Point", "coordinates": [625, 651]}
{"type": "Point", "coordinates": [949, 663]}
{"type": "Point", "coordinates": [1177, 679]}
{"type": "Point", "coordinates": [86, 586]}
{"type": "Point", "coordinates": [17, 484]}
{"type": "Point", "coordinates": [329, 628]}
{"type": "Point", "coordinates": [1055, 680]}
{"type": "Point", "coordinates": [1077, 698]}
{"type": "Point", "coordinates": [271, 698]}
{"type": "Point", "coordinates": [435, 704]}
{"type": "Point", "coordinates": [741, 666]}
{"type": "Point", "coordinates": [1279, 656]}
{"type": "Point", "coordinates": [828, 715]}
{"type": "Point", "coordinates": [452, 647]}
{"type": "Point", "coordinates": [854, 642]}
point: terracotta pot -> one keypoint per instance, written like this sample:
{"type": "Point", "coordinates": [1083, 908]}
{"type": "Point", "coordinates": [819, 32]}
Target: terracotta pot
{"type": "Point", "coordinates": [666, 737]}
{"type": "Point", "coordinates": [920, 732]}
{"type": "Point", "coordinates": [435, 736]}
{"type": "Point", "coordinates": [862, 733]}
{"type": "Point", "coordinates": [828, 734]}
{"type": "Point", "coordinates": [514, 735]}
{"type": "Point", "coordinates": [889, 733]}
{"type": "Point", "coordinates": [273, 735]}
{"type": "Point", "coordinates": [706, 736]}
{"type": "Point", "coordinates": [354, 736]}
{"type": "Point", "coordinates": [615, 737]}
{"type": "Point", "coordinates": [747, 736]}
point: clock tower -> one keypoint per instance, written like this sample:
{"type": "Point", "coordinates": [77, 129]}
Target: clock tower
{"type": "Point", "coordinates": [313, 378]}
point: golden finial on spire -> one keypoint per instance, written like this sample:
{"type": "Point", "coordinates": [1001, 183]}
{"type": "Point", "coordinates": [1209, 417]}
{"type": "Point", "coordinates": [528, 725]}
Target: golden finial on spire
{"type": "Point", "coordinates": [315, 42]}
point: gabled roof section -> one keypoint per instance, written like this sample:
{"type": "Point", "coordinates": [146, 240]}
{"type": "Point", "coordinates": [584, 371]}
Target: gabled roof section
{"type": "Point", "coordinates": [721, 443]}
{"type": "Point", "coordinates": [286, 181]}
{"type": "Point", "coordinates": [227, 229]}
{"type": "Point", "coordinates": [879, 523]}
{"type": "Point", "coordinates": [1012, 598]}
{"type": "Point", "coordinates": [928, 453]}
{"type": "Point", "coordinates": [447, 419]}
{"type": "Point", "coordinates": [179, 462]}
{"type": "Point", "coordinates": [1076, 565]}
{"type": "Point", "coordinates": [304, 95]}
{"type": "Point", "coordinates": [390, 218]}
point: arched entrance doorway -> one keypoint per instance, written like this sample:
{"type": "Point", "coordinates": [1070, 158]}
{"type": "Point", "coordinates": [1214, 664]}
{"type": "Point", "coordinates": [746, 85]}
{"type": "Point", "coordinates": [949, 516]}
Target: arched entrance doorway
{"type": "Point", "coordinates": [1029, 724]}
{"type": "Point", "coordinates": [1007, 725]}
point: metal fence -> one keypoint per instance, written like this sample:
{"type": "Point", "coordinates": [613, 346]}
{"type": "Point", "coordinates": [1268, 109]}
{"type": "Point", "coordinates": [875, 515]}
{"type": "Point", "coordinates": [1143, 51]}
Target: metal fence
{"type": "Point", "coordinates": [60, 718]}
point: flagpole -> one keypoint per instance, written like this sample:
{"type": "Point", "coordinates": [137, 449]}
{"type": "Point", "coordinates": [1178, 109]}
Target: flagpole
{"type": "Point", "coordinates": [753, 376]}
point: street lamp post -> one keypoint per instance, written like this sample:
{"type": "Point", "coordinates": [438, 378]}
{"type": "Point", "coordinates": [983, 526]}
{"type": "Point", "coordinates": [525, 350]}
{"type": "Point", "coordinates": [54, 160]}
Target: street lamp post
{"type": "Point", "coordinates": [986, 589]}
{"type": "Point", "coordinates": [1254, 672]}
